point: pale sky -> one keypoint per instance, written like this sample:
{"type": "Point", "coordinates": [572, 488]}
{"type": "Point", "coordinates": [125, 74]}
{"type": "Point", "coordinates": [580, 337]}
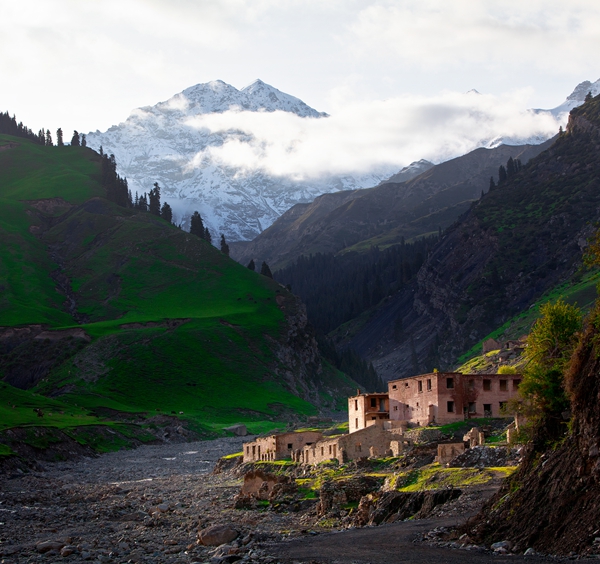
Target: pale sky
{"type": "Point", "coordinates": [82, 64]}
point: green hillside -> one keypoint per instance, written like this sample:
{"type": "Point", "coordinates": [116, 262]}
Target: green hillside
{"type": "Point", "coordinates": [119, 311]}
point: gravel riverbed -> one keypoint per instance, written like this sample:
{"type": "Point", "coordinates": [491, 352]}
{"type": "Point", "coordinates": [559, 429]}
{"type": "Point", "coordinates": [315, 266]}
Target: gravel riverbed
{"type": "Point", "coordinates": [147, 506]}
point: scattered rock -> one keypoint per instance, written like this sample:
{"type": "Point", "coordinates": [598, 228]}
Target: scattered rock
{"type": "Point", "coordinates": [217, 535]}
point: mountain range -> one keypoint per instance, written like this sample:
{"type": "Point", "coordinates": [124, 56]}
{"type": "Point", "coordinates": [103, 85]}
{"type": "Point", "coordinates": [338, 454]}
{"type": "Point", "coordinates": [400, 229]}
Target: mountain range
{"type": "Point", "coordinates": [169, 143]}
{"type": "Point", "coordinates": [162, 144]}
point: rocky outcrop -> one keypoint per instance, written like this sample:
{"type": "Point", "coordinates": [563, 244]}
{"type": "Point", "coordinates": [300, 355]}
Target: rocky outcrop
{"type": "Point", "coordinates": [552, 504]}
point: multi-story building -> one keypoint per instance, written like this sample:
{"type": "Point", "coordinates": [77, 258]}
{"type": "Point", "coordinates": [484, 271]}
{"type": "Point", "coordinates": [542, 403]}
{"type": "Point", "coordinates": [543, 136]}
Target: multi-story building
{"type": "Point", "coordinates": [365, 408]}
{"type": "Point", "coordinates": [445, 397]}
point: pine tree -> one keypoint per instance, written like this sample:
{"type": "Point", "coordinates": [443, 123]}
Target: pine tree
{"type": "Point", "coordinates": [49, 138]}
{"type": "Point", "coordinates": [154, 200]}
{"type": "Point", "coordinates": [251, 265]}
{"type": "Point", "coordinates": [83, 140]}
{"type": "Point", "coordinates": [166, 212]}
{"type": "Point", "coordinates": [75, 139]}
{"type": "Point", "coordinates": [510, 167]}
{"type": "Point", "coordinates": [207, 235]}
{"type": "Point", "coordinates": [196, 225]}
{"type": "Point", "coordinates": [502, 176]}
{"type": "Point", "coordinates": [588, 97]}
{"type": "Point", "coordinates": [265, 270]}
{"type": "Point", "coordinates": [59, 138]}
{"type": "Point", "coordinates": [143, 203]}
{"type": "Point", "coordinates": [225, 247]}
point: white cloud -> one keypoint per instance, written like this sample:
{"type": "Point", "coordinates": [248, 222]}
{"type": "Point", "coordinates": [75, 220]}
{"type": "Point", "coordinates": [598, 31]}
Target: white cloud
{"type": "Point", "coordinates": [363, 136]}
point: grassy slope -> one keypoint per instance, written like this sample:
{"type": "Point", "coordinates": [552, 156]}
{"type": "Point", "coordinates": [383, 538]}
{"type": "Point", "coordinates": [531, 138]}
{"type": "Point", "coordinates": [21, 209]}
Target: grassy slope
{"type": "Point", "coordinates": [132, 273]}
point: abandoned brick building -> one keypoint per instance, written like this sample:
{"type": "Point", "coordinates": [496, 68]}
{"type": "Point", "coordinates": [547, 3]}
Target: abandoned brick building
{"type": "Point", "coordinates": [438, 397]}
{"type": "Point", "coordinates": [376, 422]}
{"type": "Point", "coordinates": [278, 447]}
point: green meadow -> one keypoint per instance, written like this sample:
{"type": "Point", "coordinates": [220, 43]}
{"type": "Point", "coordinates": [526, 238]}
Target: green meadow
{"type": "Point", "coordinates": [174, 326]}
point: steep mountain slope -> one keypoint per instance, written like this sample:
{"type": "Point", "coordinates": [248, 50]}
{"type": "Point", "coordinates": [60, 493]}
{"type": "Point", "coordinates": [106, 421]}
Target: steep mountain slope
{"type": "Point", "coordinates": [113, 309]}
{"type": "Point", "coordinates": [520, 240]}
{"type": "Point", "coordinates": [551, 503]}
{"type": "Point", "coordinates": [165, 144]}
{"type": "Point", "coordinates": [382, 215]}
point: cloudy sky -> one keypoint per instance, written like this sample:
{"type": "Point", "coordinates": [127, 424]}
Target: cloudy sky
{"type": "Point", "coordinates": [85, 65]}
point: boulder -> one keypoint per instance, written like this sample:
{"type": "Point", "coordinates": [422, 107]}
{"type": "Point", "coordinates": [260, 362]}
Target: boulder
{"type": "Point", "coordinates": [217, 535]}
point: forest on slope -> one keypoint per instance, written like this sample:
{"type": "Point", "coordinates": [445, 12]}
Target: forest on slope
{"type": "Point", "coordinates": [514, 245]}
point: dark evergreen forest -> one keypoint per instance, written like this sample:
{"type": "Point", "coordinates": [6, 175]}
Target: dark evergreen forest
{"type": "Point", "coordinates": [338, 288]}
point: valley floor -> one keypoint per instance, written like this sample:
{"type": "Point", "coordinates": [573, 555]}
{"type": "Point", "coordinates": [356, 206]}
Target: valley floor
{"type": "Point", "coordinates": [147, 505]}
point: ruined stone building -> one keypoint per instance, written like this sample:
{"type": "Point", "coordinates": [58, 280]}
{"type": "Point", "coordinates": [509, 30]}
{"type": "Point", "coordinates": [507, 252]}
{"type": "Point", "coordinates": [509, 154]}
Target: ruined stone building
{"type": "Point", "coordinates": [278, 447]}
{"type": "Point", "coordinates": [376, 422]}
{"type": "Point", "coordinates": [445, 397]}
{"type": "Point", "coordinates": [364, 408]}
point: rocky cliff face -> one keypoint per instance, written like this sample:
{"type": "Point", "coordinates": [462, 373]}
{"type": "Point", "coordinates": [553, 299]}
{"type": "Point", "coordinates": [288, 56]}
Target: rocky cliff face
{"type": "Point", "coordinates": [518, 241]}
{"type": "Point", "coordinates": [552, 504]}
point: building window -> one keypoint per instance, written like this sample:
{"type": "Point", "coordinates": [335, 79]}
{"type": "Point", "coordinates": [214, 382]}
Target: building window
{"type": "Point", "coordinates": [290, 446]}
{"type": "Point", "coordinates": [472, 407]}
{"type": "Point", "coordinates": [420, 385]}
{"type": "Point", "coordinates": [322, 451]}
{"type": "Point", "coordinates": [417, 404]}
{"type": "Point", "coordinates": [487, 385]}
{"type": "Point", "coordinates": [429, 384]}
{"type": "Point", "coordinates": [395, 408]}
{"type": "Point", "coordinates": [355, 405]}
{"type": "Point", "coordinates": [487, 409]}
{"type": "Point", "coordinates": [248, 450]}
{"type": "Point", "coordinates": [356, 422]}
{"type": "Point", "coordinates": [471, 384]}
{"type": "Point", "coordinates": [394, 387]}
{"type": "Point", "coordinates": [359, 447]}
{"type": "Point", "coordinates": [373, 402]}
{"type": "Point", "coordinates": [504, 385]}
{"type": "Point", "coordinates": [502, 407]}
{"type": "Point", "coordinates": [516, 384]}
{"type": "Point", "coordinates": [450, 407]}
{"type": "Point", "coordinates": [450, 383]}
{"type": "Point", "coordinates": [329, 449]}
{"type": "Point", "coordinates": [373, 418]}
{"type": "Point", "coordinates": [406, 385]}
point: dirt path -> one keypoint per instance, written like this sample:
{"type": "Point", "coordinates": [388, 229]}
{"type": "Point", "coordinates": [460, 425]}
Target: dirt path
{"type": "Point", "coordinates": [386, 544]}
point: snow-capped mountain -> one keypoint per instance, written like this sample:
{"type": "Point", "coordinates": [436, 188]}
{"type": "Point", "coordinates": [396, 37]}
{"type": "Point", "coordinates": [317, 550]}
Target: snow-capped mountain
{"type": "Point", "coordinates": [163, 144]}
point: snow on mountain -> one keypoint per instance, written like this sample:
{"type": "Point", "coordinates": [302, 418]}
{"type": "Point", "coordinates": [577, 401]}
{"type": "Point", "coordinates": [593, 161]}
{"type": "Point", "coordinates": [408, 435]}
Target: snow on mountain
{"type": "Point", "coordinates": [561, 113]}
{"type": "Point", "coordinates": [162, 144]}
{"type": "Point", "coordinates": [411, 171]}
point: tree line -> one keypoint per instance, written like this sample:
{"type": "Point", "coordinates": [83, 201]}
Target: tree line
{"type": "Point", "coordinates": [337, 289]}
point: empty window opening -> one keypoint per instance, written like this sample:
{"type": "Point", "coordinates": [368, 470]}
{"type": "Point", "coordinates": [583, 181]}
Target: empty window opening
{"type": "Point", "coordinates": [487, 409]}
{"type": "Point", "coordinates": [290, 446]}
{"type": "Point", "coordinates": [329, 449]}
{"type": "Point", "coordinates": [450, 407]}
{"type": "Point", "coordinates": [406, 385]}
{"type": "Point", "coordinates": [355, 405]}
{"type": "Point", "coordinates": [487, 385]}
{"type": "Point", "coordinates": [503, 408]}
{"type": "Point", "coordinates": [373, 402]}
{"type": "Point", "coordinates": [322, 451]}
{"type": "Point", "coordinates": [356, 422]}
{"type": "Point", "coordinates": [374, 418]}
{"type": "Point", "coordinates": [472, 407]}
{"type": "Point", "coordinates": [382, 404]}
{"type": "Point", "coordinates": [471, 384]}
{"type": "Point", "coordinates": [429, 384]}
{"type": "Point", "coordinates": [504, 385]}
{"type": "Point", "coordinates": [420, 385]}
{"type": "Point", "coordinates": [395, 408]}
{"type": "Point", "coordinates": [449, 383]}
{"type": "Point", "coordinates": [516, 384]}
{"type": "Point", "coordinates": [394, 387]}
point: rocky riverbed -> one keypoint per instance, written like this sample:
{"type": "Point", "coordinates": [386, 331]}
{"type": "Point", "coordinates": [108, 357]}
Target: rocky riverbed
{"type": "Point", "coordinates": [149, 504]}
